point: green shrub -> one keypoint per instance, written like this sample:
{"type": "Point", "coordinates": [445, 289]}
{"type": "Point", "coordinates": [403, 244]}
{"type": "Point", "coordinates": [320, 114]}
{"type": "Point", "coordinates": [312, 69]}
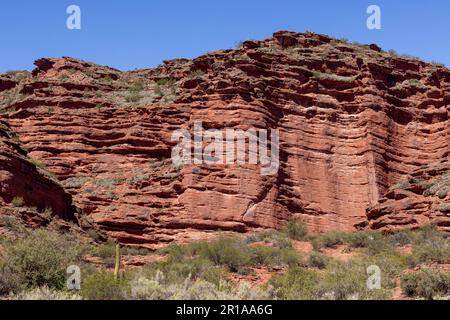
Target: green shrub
{"type": "Point", "coordinates": [276, 238]}
{"type": "Point", "coordinates": [101, 285]}
{"type": "Point", "coordinates": [48, 213]}
{"type": "Point", "coordinates": [329, 239]}
{"type": "Point", "coordinates": [133, 97]}
{"type": "Point", "coordinates": [215, 275]}
{"type": "Point", "coordinates": [177, 269]}
{"type": "Point", "coordinates": [391, 264]}
{"type": "Point", "coordinates": [46, 294]}
{"type": "Point", "coordinates": [296, 284]}
{"type": "Point", "coordinates": [41, 259]}
{"type": "Point", "coordinates": [401, 238]}
{"type": "Point", "coordinates": [426, 284]}
{"type": "Point", "coordinates": [225, 251]}
{"type": "Point", "coordinates": [18, 202]}
{"type": "Point", "coordinates": [317, 260]}
{"type": "Point", "coordinates": [345, 280]}
{"type": "Point", "coordinates": [444, 207]}
{"type": "Point", "coordinates": [270, 256]}
{"type": "Point", "coordinates": [430, 245]}
{"type": "Point", "coordinates": [10, 279]}
{"type": "Point", "coordinates": [431, 250]}
{"type": "Point", "coordinates": [151, 289]}
{"type": "Point", "coordinates": [166, 82]}
{"type": "Point", "coordinates": [296, 230]}
{"type": "Point", "coordinates": [13, 224]}
{"type": "Point", "coordinates": [373, 242]}
{"type": "Point", "coordinates": [106, 250]}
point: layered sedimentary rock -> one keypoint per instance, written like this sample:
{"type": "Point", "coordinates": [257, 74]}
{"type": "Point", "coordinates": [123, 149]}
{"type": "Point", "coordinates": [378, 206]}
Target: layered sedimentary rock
{"type": "Point", "coordinates": [27, 189]}
{"type": "Point", "coordinates": [353, 121]}
{"type": "Point", "coordinates": [420, 199]}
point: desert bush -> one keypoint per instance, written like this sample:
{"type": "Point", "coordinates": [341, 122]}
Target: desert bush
{"type": "Point", "coordinates": [44, 293]}
{"type": "Point", "coordinates": [175, 272]}
{"type": "Point", "coordinates": [444, 207]}
{"type": "Point", "coordinates": [105, 250]}
{"type": "Point", "coordinates": [373, 242]}
{"type": "Point", "coordinates": [18, 202]}
{"type": "Point", "coordinates": [296, 230]}
{"type": "Point", "coordinates": [41, 259]}
{"type": "Point", "coordinates": [10, 279]}
{"type": "Point", "coordinates": [391, 264]}
{"type": "Point", "coordinates": [345, 280]}
{"type": "Point", "coordinates": [166, 82]}
{"type": "Point", "coordinates": [101, 285]}
{"type": "Point", "coordinates": [276, 238]}
{"type": "Point", "coordinates": [296, 284]}
{"type": "Point", "coordinates": [401, 238]}
{"type": "Point", "coordinates": [329, 239]}
{"type": "Point", "coordinates": [215, 275]}
{"type": "Point", "coordinates": [269, 256]}
{"type": "Point", "coordinates": [430, 245]}
{"type": "Point", "coordinates": [317, 260]}
{"type": "Point", "coordinates": [426, 284]}
{"type": "Point", "coordinates": [151, 289]}
{"type": "Point", "coordinates": [225, 251]}
{"type": "Point", "coordinates": [13, 224]}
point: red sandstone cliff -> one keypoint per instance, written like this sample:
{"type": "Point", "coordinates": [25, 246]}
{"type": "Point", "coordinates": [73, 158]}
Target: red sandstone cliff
{"type": "Point", "coordinates": [353, 122]}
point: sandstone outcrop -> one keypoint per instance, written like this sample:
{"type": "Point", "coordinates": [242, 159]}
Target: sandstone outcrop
{"type": "Point", "coordinates": [353, 121]}
{"type": "Point", "coordinates": [27, 189]}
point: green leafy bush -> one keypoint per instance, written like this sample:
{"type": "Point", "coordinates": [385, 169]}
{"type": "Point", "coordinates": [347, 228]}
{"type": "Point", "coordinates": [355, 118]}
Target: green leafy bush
{"type": "Point", "coordinates": [106, 250]}
{"type": "Point", "coordinates": [46, 294]}
{"type": "Point", "coordinates": [430, 245]}
{"type": "Point", "coordinates": [317, 260]}
{"type": "Point", "coordinates": [18, 202]}
{"type": "Point", "coordinates": [225, 251]}
{"type": "Point", "coordinates": [426, 284]}
{"type": "Point", "coordinates": [297, 284]}
{"type": "Point", "coordinates": [329, 239]}
{"type": "Point", "coordinates": [101, 285]}
{"type": "Point", "coordinates": [41, 259]}
{"type": "Point", "coordinates": [270, 256]}
{"type": "Point", "coordinates": [296, 230]}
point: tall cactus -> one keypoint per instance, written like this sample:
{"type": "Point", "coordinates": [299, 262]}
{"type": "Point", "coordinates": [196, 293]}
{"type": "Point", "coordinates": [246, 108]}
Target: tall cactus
{"type": "Point", "coordinates": [117, 263]}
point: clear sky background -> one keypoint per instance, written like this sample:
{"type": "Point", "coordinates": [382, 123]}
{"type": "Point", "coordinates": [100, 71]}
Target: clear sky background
{"type": "Point", "coordinates": [141, 33]}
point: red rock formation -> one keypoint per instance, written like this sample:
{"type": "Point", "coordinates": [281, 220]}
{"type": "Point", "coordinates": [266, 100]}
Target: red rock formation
{"type": "Point", "coordinates": [26, 188]}
{"type": "Point", "coordinates": [352, 119]}
{"type": "Point", "coordinates": [420, 199]}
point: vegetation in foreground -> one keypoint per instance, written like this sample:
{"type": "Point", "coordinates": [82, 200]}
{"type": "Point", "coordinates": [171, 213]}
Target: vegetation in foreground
{"type": "Point", "coordinates": [34, 267]}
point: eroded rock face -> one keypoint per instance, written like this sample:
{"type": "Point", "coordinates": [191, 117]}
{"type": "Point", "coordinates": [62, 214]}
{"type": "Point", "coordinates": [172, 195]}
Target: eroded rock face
{"type": "Point", "coordinates": [417, 200]}
{"type": "Point", "coordinates": [352, 120]}
{"type": "Point", "coordinates": [26, 188]}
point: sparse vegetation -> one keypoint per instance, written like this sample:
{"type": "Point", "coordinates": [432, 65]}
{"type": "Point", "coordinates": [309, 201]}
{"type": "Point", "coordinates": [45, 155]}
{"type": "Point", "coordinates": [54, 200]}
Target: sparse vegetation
{"type": "Point", "coordinates": [329, 239]}
{"type": "Point", "coordinates": [411, 83]}
{"type": "Point", "coordinates": [18, 202]}
{"type": "Point", "coordinates": [334, 77]}
{"type": "Point", "coordinates": [296, 230]}
{"type": "Point", "coordinates": [427, 284]}
{"type": "Point", "coordinates": [101, 285]}
{"type": "Point", "coordinates": [39, 259]}
{"type": "Point", "coordinates": [33, 267]}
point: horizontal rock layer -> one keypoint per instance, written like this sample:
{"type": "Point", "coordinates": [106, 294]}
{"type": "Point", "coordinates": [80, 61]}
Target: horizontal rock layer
{"type": "Point", "coordinates": [353, 120]}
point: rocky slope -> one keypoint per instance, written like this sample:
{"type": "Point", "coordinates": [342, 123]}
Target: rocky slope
{"type": "Point", "coordinates": [353, 121]}
{"type": "Point", "coordinates": [27, 189]}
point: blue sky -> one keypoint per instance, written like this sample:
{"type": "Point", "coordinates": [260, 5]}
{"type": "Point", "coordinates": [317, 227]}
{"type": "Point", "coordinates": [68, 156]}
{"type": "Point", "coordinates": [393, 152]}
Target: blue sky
{"type": "Point", "coordinates": [141, 33]}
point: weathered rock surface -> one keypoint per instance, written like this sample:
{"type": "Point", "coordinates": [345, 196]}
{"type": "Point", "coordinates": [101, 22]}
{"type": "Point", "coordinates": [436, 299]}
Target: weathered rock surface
{"type": "Point", "coordinates": [26, 188]}
{"type": "Point", "coordinates": [353, 121]}
{"type": "Point", "coordinates": [417, 200]}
